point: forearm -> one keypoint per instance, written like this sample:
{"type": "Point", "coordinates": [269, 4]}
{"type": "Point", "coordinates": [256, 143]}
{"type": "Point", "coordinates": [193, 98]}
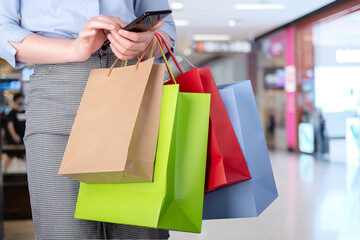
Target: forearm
{"type": "Point", "coordinates": [44, 50]}
{"type": "Point", "coordinates": [12, 130]}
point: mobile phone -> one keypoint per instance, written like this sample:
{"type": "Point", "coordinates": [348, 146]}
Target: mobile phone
{"type": "Point", "coordinates": [143, 23]}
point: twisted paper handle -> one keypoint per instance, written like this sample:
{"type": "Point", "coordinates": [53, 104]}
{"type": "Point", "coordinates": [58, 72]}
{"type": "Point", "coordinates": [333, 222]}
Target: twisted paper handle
{"type": "Point", "coordinates": [148, 48]}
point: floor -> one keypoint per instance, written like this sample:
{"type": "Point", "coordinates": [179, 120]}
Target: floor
{"type": "Point", "coordinates": [318, 200]}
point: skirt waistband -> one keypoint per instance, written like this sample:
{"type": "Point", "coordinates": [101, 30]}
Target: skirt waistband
{"type": "Point", "coordinates": [102, 52]}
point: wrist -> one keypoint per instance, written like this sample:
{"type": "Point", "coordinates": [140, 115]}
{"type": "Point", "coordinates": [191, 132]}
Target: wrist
{"type": "Point", "coordinates": [74, 51]}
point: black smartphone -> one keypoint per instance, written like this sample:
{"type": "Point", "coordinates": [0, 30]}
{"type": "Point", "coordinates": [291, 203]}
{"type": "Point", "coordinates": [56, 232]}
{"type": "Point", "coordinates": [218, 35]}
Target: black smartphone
{"type": "Point", "coordinates": [143, 23]}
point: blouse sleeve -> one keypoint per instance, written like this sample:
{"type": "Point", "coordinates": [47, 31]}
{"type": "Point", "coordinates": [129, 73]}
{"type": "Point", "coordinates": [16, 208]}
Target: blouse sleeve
{"type": "Point", "coordinates": [10, 31]}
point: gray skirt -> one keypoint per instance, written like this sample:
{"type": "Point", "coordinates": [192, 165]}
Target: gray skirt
{"type": "Point", "coordinates": [52, 102]}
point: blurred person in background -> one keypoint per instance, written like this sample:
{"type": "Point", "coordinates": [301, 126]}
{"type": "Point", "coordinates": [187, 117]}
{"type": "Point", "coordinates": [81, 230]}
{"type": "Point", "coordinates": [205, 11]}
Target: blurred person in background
{"type": "Point", "coordinates": [64, 39]}
{"type": "Point", "coordinates": [270, 131]}
{"type": "Point", "coordinates": [15, 128]}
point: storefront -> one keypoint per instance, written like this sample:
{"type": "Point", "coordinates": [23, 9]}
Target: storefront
{"type": "Point", "coordinates": [327, 75]}
{"type": "Point", "coordinates": [308, 89]}
{"type": "Point", "coordinates": [271, 58]}
{"type": "Point", "coordinates": [14, 196]}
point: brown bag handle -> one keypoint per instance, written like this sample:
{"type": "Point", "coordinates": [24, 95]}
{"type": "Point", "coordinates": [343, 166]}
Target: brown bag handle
{"type": "Point", "coordinates": [147, 49]}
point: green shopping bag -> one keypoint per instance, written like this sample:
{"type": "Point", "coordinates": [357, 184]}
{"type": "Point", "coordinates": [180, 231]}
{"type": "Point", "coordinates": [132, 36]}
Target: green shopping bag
{"type": "Point", "coordinates": [174, 200]}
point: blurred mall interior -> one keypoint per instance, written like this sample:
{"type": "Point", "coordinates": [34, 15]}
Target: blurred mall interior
{"type": "Point", "coordinates": [303, 60]}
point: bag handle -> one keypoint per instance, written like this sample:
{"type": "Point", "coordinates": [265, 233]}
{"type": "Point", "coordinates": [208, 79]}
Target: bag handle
{"type": "Point", "coordinates": [164, 57]}
{"type": "Point", "coordinates": [147, 49]}
{"type": "Point", "coordinates": [178, 52]}
{"type": "Point", "coordinates": [167, 44]}
{"type": "Point", "coordinates": [172, 56]}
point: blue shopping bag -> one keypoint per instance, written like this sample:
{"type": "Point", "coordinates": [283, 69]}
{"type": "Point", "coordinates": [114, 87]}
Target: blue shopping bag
{"type": "Point", "coordinates": [252, 197]}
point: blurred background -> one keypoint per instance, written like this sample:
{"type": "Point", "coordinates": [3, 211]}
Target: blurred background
{"type": "Point", "coordinates": [303, 60]}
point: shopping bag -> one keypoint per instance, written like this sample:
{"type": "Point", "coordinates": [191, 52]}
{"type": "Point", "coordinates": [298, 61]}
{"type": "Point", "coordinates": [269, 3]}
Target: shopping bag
{"type": "Point", "coordinates": [115, 132]}
{"type": "Point", "coordinates": [225, 163]}
{"type": "Point", "coordinates": [174, 199]}
{"type": "Point", "coordinates": [252, 197]}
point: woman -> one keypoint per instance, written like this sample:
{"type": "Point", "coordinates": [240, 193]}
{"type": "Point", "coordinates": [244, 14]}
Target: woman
{"type": "Point", "coordinates": [63, 38]}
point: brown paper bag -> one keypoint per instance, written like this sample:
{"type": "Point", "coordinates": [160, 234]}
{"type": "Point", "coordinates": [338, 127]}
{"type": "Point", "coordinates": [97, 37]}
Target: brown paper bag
{"type": "Point", "coordinates": [115, 132]}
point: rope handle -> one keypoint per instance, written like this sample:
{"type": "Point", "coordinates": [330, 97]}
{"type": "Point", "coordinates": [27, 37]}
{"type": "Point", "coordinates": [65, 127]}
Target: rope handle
{"type": "Point", "coordinates": [178, 52]}
{"type": "Point", "coordinates": [167, 44]}
{"type": "Point", "coordinates": [148, 48]}
{"type": "Point", "coordinates": [172, 56]}
{"type": "Point", "coordinates": [164, 57]}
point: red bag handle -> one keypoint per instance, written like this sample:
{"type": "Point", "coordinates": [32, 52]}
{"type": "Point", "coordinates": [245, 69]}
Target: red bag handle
{"type": "Point", "coordinates": [166, 62]}
{"type": "Point", "coordinates": [167, 47]}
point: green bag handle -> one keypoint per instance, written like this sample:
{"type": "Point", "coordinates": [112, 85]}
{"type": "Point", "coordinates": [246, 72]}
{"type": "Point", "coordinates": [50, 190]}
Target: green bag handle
{"type": "Point", "coordinates": [164, 57]}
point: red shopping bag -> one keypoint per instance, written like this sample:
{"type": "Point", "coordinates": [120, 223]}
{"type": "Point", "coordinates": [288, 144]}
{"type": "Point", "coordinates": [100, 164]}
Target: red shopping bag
{"type": "Point", "coordinates": [226, 164]}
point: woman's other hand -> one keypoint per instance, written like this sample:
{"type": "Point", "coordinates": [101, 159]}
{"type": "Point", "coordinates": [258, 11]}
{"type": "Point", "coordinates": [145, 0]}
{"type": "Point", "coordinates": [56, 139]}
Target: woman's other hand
{"type": "Point", "coordinates": [93, 35]}
{"type": "Point", "coordinates": [128, 45]}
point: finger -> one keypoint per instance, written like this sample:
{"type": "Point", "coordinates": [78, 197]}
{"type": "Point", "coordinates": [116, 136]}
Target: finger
{"type": "Point", "coordinates": [157, 25]}
{"type": "Point", "coordinates": [119, 54]}
{"type": "Point", "coordinates": [124, 46]}
{"type": "Point", "coordinates": [108, 19]}
{"type": "Point", "coordinates": [113, 20]}
{"type": "Point", "coordinates": [126, 43]}
{"type": "Point", "coordinates": [87, 33]}
{"type": "Point", "coordinates": [134, 36]}
{"type": "Point", "coordinates": [106, 32]}
{"type": "Point", "coordinates": [121, 23]}
{"type": "Point", "coordinates": [95, 23]}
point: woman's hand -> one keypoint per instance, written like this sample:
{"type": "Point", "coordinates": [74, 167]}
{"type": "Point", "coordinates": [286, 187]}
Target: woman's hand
{"type": "Point", "coordinates": [128, 45]}
{"type": "Point", "coordinates": [93, 35]}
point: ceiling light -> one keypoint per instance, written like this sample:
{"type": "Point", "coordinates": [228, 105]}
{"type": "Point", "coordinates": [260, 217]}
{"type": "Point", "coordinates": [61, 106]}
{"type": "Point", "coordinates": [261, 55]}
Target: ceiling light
{"type": "Point", "coordinates": [211, 37]}
{"type": "Point", "coordinates": [176, 5]}
{"type": "Point", "coordinates": [258, 6]}
{"type": "Point", "coordinates": [181, 23]}
{"type": "Point", "coordinates": [232, 23]}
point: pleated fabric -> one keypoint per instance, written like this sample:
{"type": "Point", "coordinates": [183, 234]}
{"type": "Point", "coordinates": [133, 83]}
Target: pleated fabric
{"type": "Point", "coordinates": [52, 102]}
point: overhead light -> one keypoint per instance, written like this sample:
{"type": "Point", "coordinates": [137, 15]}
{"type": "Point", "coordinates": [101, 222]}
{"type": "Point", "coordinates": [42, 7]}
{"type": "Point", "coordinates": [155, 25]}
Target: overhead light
{"type": "Point", "coordinates": [232, 23]}
{"type": "Point", "coordinates": [176, 5]}
{"type": "Point", "coordinates": [211, 37]}
{"type": "Point", "coordinates": [181, 22]}
{"type": "Point", "coordinates": [244, 6]}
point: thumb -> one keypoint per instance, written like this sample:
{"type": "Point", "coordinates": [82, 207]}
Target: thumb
{"type": "Point", "coordinates": [157, 26]}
